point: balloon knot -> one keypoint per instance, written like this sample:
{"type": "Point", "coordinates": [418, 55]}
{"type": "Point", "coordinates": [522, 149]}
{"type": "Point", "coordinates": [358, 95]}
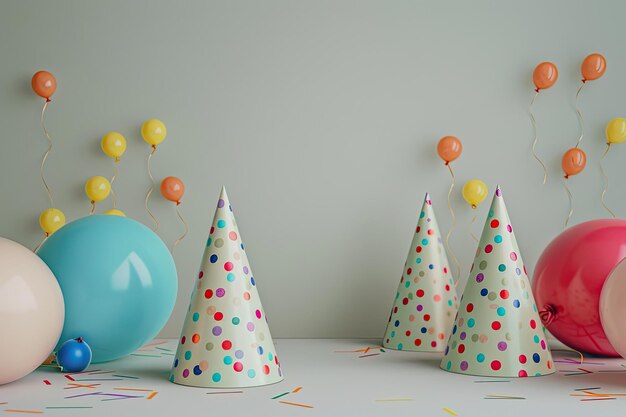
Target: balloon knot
{"type": "Point", "coordinates": [46, 234]}
{"type": "Point", "coordinates": [48, 100]}
{"type": "Point", "coordinates": [117, 159]}
{"type": "Point", "coordinates": [537, 90]}
{"type": "Point", "coordinates": [154, 147]}
{"type": "Point", "coordinates": [447, 163]}
{"type": "Point", "coordinates": [566, 176]}
{"type": "Point", "coordinates": [79, 339]}
{"type": "Point", "coordinates": [474, 206]}
{"type": "Point", "coordinates": [583, 80]}
{"type": "Point", "coordinates": [548, 314]}
{"type": "Point", "coordinates": [178, 203]}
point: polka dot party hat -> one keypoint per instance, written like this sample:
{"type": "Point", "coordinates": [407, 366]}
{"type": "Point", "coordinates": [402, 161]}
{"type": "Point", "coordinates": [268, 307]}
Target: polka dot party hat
{"type": "Point", "coordinates": [497, 331]}
{"type": "Point", "coordinates": [226, 341]}
{"type": "Point", "coordinates": [426, 301]}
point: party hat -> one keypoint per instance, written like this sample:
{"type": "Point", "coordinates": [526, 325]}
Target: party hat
{"type": "Point", "coordinates": [497, 331]}
{"type": "Point", "coordinates": [226, 341]}
{"type": "Point", "coordinates": [426, 301]}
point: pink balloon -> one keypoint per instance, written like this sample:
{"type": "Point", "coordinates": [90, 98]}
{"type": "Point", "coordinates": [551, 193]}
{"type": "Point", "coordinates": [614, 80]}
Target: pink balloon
{"type": "Point", "coordinates": [568, 280]}
{"type": "Point", "coordinates": [613, 308]}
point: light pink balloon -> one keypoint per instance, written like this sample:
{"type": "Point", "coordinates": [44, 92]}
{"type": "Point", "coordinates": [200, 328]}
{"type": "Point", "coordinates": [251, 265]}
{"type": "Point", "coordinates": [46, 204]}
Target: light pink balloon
{"type": "Point", "coordinates": [613, 308]}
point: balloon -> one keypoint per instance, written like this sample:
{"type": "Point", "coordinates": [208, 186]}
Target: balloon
{"type": "Point", "coordinates": [115, 212]}
{"type": "Point", "coordinates": [449, 148]}
{"type": "Point", "coordinates": [616, 131]}
{"type": "Point", "coordinates": [545, 75]}
{"type": "Point", "coordinates": [613, 308]}
{"type": "Point", "coordinates": [474, 192]}
{"type": "Point", "coordinates": [44, 84]}
{"type": "Point", "coordinates": [74, 355]}
{"type": "Point", "coordinates": [31, 311]}
{"type": "Point", "coordinates": [172, 189]}
{"type": "Point", "coordinates": [113, 145]}
{"type": "Point", "coordinates": [593, 67]}
{"type": "Point", "coordinates": [97, 188]}
{"type": "Point", "coordinates": [153, 131]}
{"type": "Point", "coordinates": [51, 220]}
{"type": "Point", "coordinates": [568, 280]}
{"type": "Point", "coordinates": [118, 279]}
{"type": "Point", "coordinates": [573, 162]}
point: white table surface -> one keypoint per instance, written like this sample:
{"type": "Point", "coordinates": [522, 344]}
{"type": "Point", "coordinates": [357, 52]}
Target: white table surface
{"type": "Point", "coordinates": [334, 383]}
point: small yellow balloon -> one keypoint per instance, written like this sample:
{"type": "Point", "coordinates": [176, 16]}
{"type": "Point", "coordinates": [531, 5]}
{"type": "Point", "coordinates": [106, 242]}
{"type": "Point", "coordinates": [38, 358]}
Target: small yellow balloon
{"type": "Point", "coordinates": [474, 192]}
{"type": "Point", "coordinates": [616, 131]}
{"type": "Point", "coordinates": [97, 188]}
{"type": "Point", "coordinates": [113, 145]}
{"type": "Point", "coordinates": [153, 131]}
{"type": "Point", "coordinates": [51, 220]}
{"type": "Point", "coordinates": [115, 212]}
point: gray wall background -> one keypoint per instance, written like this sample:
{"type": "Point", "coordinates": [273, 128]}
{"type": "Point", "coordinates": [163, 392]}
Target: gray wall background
{"type": "Point", "coordinates": [321, 118]}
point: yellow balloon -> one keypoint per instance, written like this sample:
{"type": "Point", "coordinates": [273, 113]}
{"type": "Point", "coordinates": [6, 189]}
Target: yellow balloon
{"type": "Point", "coordinates": [113, 144]}
{"type": "Point", "coordinates": [51, 220]}
{"type": "Point", "coordinates": [115, 212]}
{"type": "Point", "coordinates": [97, 188]}
{"type": "Point", "coordinates": [474, 192]}
{"type": "Point", "coordinates": [616, 131]}
{"type": "Point", "coordinates": [153, 131]}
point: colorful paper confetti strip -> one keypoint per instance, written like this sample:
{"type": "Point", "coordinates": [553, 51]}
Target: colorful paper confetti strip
{"type": "Point", "coordinates": [281, 395]}
{"type": "Point", "coordinates": [24, 411]}
{"type": "Point", "coordinates": [503, 397]}
{"type": "Point", "coordinates": [296, 404]}
{"type": "Point", "coordinates": [368, 355]}
{"type": "Point", "coordinates": [598, 399]}
{"type": "Point", "coordinates": [69, 377]}
{"type": "Point", "coordinates": [447, 410]}
{"type": "Point", "coordinates": [82, 395]}
{"type": "Point", "coordinates": [74, 385]}
{"type": "Point", "coordinates": [151, 396]}
{"type": "Point", "coordinates": [133, 389]}
{"type": "Point", "coordinates": [55, 408]}
{"type": "Point", "coordinates": [126, 376]}
{"type": "Point", "coordinates": [297, 389]}
{"type": "Point", "coordinates": [226, 392]}
{"type": "Point", "coordinates": [45, 381]}
{"type": "Point", "coordinates": [393, 400]}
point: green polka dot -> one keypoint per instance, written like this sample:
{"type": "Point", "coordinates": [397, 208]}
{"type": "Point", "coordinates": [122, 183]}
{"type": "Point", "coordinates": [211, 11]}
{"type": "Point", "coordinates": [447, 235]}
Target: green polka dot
{"type": "Point", "coordinates": [450, 303]}
{"type": "Point", "coordinates": [195, 317]}
{"type": "Point", "coordinates": [501, 311]}
{"type": "Point", "coordinates": [399, 346]}
{"type": "Point", "coordinates": [188, 355]}
{"type": "Point", "coordinates": [236, 320]}
{"type": "Point", "coordinates": [502, 267]}
{"type": "Point", "coordinates": [536, 339]}
{"type": "Point", "coordinates": [421, 273]}
{"type": "Point", "coordinates": [393, 333]}
{"type": "Point", "coordinates": [230, 277]}
{"type": "Point", "coordinates": [480, 358]}
{"type": "Point", "coordinates": [482, 265]}
{"type": "Point", "coordinates": [407, 284]}
{"type": "Point", "coordinates": [209, 346]}
{"type": "Point", "coordinates": [216, 377]}
{"type": "Point", "coordinates": [492, 296]}
{"type": "Point", "coordinates": [470, 323]}
{"type": "Point", "coordinates": [221, 224]}
{"type": "Point", "coordinates": [422, 214]}
{"type": "Point", "coordinates": [491, 213]}
{"type": "Point", "coordinates": [448, 365]}
{"type": "Point", "coordinates": [418, 260]}
{"type": "Point", "coordinates": [474, 338]}
{"type": "Point", "coordinates": [208, 242]}
{"type": "Point", "coordinates": [251, 373]}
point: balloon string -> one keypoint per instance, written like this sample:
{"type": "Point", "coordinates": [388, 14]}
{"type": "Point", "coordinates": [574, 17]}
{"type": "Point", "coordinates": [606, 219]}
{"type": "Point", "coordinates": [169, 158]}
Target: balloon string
{"type": "Point", "coordinates": [571, 203]}
{"type": "Point", "coordinates": [470, 228]}
{"type": "Point", "coordinates": [117, 171]}
{"type": "Point", "coordinates": [453, 217]}
{"type": "Point", "coordinates": [606, 180]}
{"type": "Point", "coordinates": [45, 156]}
{"type": "Point", "coordinates": [534, 122]}
{"type": "Point", "coordinates": [580, 116]}
{"type": "Point", "coordinates": [156, 222]}
{"type": "Point", "coordinates": [45, 237]}
{"type": "Point", "coordinates": [177, 241]}
{"type": "Point", "coordinates": [93, 208]}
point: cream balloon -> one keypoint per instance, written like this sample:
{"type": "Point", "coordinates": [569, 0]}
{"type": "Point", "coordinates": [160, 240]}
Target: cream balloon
{"type": "Point", "coordinates": [32, 311]}
{"type": "Point", "coordinates": [613, 308]}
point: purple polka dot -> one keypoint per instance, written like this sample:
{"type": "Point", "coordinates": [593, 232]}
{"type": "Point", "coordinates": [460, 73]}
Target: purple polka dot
{"type": "Point", "coordinates": [245, 270]}
{"type": "Point", "coordinates": [498, 192]}
{"type": "Point", "coordinates": [502, 346]}
{"type": "Point", "coordinates": [464, 366]}
{"type": "Point", "coordinates": [462, 336]}
{"type": "Point", "coordinates": [543, 344]}
{"type": "Point", "coordinates": [250, 326]}
{"type": "Point", "coordinates": [220, 203]}
{"type": "Point", "coordinates": [509, 228]}
{"type": "Point", "coordinates": [480, 277]}
{"type": "Point", "coordinates": [220, 292]}
{"type": "Point", "coordinates": [217, 330]}
{"type": "Point", "coordinates": [185, 373]}
{"type": "Point", "coordinates": [420, 307]}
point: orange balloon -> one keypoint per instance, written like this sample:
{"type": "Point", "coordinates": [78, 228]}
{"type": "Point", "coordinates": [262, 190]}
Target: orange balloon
{"type": "Point", "coordinates": [593, 67]}
{"type": "Point", "coordinates": [44, 84]}
{"type": "Point", "coordinates": [545, 75]}
{"type": "Point", "coordinates": [449, 148]}
{"type": "Point", "coordinates": [573, 162]}
{"type": "Point", "coordinates": [172, 189]}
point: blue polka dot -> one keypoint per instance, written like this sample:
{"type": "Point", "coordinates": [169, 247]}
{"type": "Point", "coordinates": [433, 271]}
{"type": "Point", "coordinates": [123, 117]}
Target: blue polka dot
{"type": "Point", "coordinates": [423, 330]}
{"type": "Point", "coordinates": [221, 224]}
{"type": "Point", "coordinates": [484, 292]}
{"type": "Point", "coordinates": [536, 357]}
{"type": "Point", "coordinates": [230, 277]}
{"type": "Point", "coordinates": [431, 266]}
{"type": "Point", "coordinates": [213, 258]}
{"type": "Point", "coordinates": [260, 350]}
{"type": "Point", "coordinates": [197, 370]}
{"type": "Point", "coordinates": [175, 363]}
{"type": "Point", "coordinates": [497, 239]}
{"type": "Point", "coordinates": [501, 311]}
{"type": "Point", "coordinates": [480, 358]}
{"type": "Point", "coordinates": [454, 329]}
{"type": "Point", "coordinates": [252, 281]}
{"type": "Point", "coordinates": [516, 303]}
{"type": "Point", "coordinates": [216, 377]}
{"type": "Point", "coordinates": [397, 323]}
{"type": "Point", "coordinates": [471, 322]}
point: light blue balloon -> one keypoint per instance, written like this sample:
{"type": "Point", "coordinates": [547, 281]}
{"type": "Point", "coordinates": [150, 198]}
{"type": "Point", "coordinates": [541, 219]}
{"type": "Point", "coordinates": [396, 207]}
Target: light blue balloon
{"type": "Point", "coordinates": [118, 280]}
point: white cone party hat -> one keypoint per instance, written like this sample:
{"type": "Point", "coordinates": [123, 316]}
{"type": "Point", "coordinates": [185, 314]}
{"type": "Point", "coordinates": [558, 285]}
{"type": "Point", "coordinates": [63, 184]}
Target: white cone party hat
{"type": "Point", "coordinates": [497, 331]}
{"type": "Point", "coordinates": [426, 301]}
{"type": "Point", "coordinates": [226, 341]}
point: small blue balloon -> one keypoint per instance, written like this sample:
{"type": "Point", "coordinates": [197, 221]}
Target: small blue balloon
{"type": "Point", "coordinates": [74, 355]}
{"type": "Point", "coordinates": [118, 280]}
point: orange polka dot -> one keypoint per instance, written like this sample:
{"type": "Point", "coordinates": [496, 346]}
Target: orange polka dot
{"type": "Point", "coordinates": [195, 338]}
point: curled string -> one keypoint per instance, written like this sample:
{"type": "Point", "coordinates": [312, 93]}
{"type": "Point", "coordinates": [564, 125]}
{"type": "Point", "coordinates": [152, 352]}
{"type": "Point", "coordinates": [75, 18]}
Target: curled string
{"type": "Point", "coordinates": [534, 122]}
{"type": "Point", "coordinates": [606, 180]}
{"type": "Point", "coordinates": [177, 241]}
{"type": "Point", "coordinates": [452, 255]}
{"type": "Point", "coordinates": [580, 115]}
{"type": "Point", "coordinates": [117, 171]}
{"type": "Point", "coordinates": [548, 314]}
{"type": "Point", "coordinates": [470, 229]}
{"type": "Point", "coordinates": [156, 222]}
{"type": "Point", "coordinates": [45, 156]}
{"type": "Point", "coordinates": [571, 203]}
{"type": "Point", "coordinates": [580, 355]}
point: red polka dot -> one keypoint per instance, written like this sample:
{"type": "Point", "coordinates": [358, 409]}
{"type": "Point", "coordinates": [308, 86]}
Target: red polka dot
{"type": "Point", "coordinates": [447, 287]}
{"type": "Point", "coordinates": [246, 296]}
{"type": "Point", "coordinates": [228, 266]}
{"type": "Point", "coordinates": [208, 294]}
{"type": "Point", "coordinates": [211, 230]}
{"type": "Point", "coordinates": [232, 235]}
{"type": "Point", "coordinates": [522, 374]}
{"type": "Point", "coordinates": [504, 294]}
{"type": "Point", "coordinates": [495, 223]}
{"type": "Point", "coordinates": [395, 310]}
{"type": "Point", "coordinates": [258, 314]}
{"type": "Point", "coordinates": [522, 359]}
{"type": "Point", "coordinates": [533, 324]}
{"type": "Point", "coordinates": [549, 365]}
{"type": "Point", "coordinates": [445, 270]}
{"type": "Point", "coordinates": [417, 230]}
{"type": "Point", "coordinates": [200, 275]}
{"type": "Point", "coordinates": [418, 249]}
{"type": "Point", "coordinates": [266, 370]}
{"type": "Point", "coordinates": [437, 297]}
{"type": "Point", "coordinates": [469, 308]}
{"type": "Point", "coordinates": [408, 333]}
{"type": "Point", "coordinates": [431, 231]}
{"type": "Point", "coordinates": [195, 338]}
{"type": "Point", "coordinates": [495, 325]}
{"type": "Point", "coordinates": [183, 340]}
{"type": "Point", "coordinates": [488, 249]}
{"type": "Point", "coordinates": [426, 317]}
{"type": "Point", "coordinates": [461, 348]}
{"type": "Point", "coordinates": [227, 344]}
{"type": "Point", "coordinates": [433, 344]}
{"type": "Point", "coordinates": [417, 342]}
{"type": "Point", "coordinates": [408, 271]}
{"type": "Point", "coordinates": [238, 366]}
{"type": "Point", "coordinates": [405, 301]}
{"type": "Point", "coordinates": [419, 293]}
{"type": "Point", "coordinates": [218, 316]}
{"type": "Point", "coordinates": [496, 365]}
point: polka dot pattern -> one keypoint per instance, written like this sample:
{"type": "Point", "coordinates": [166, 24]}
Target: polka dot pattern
{"type": "Point", "coordinates": [426, 301]}
{"type": "Point", "coordinates": [498, 324]}
{"type": "Point", "coordinates": [226, 340]}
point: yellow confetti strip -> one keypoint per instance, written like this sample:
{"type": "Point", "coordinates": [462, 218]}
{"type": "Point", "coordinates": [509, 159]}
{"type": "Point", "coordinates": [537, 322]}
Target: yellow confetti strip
{"type": "Point", "coordinates": [151, 396]}
{"type": "Point", "coordinates": [447, 410]}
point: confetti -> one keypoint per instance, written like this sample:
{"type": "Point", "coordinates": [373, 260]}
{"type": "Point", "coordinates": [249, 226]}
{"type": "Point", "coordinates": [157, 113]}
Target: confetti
{"type": "Point", "coordinates": [226, 392]}
{"type": "Point", "coordinates": [74, 385]}
{"type": "Point", "coordinates": [369, 354]}
{"type": "Point", "coordinates": [143, 354]}
{"type": "Point", "coordinates": [134, 389]}
{"type": "Point", "coordinates": [586, 389]}
{"type": "Point", "coordinates": [24, 411]}
{"type": "Point", "coordinates": [68, 407]}
{"type": "Point", "coordinates": [597, 399]}
{"type": "Point", "coordinates": [297, 389]}
{"type": "Point", "coordinates": [280, 395]}
{"type": "Point", "coordinates": [485, 381]}
{"type": "Point", "coordinates": [151, 396]}
{"type": "Point", "coordinates": [45, 381]}
{"type": "Point", "coordinates": [83, 395]}
{"type": "Point", "coordinates": [393, 399]}
{"type": "Point", "coordinates": [69, 377]}
{"type": "Point", "coordinates": [447, 410]}
{"type": "Point", "coordinates": [296, 404]}
{"type": "Point", "coordinates": [503, 397]}
{"type": "Point", "coordinates": [126, 376]}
